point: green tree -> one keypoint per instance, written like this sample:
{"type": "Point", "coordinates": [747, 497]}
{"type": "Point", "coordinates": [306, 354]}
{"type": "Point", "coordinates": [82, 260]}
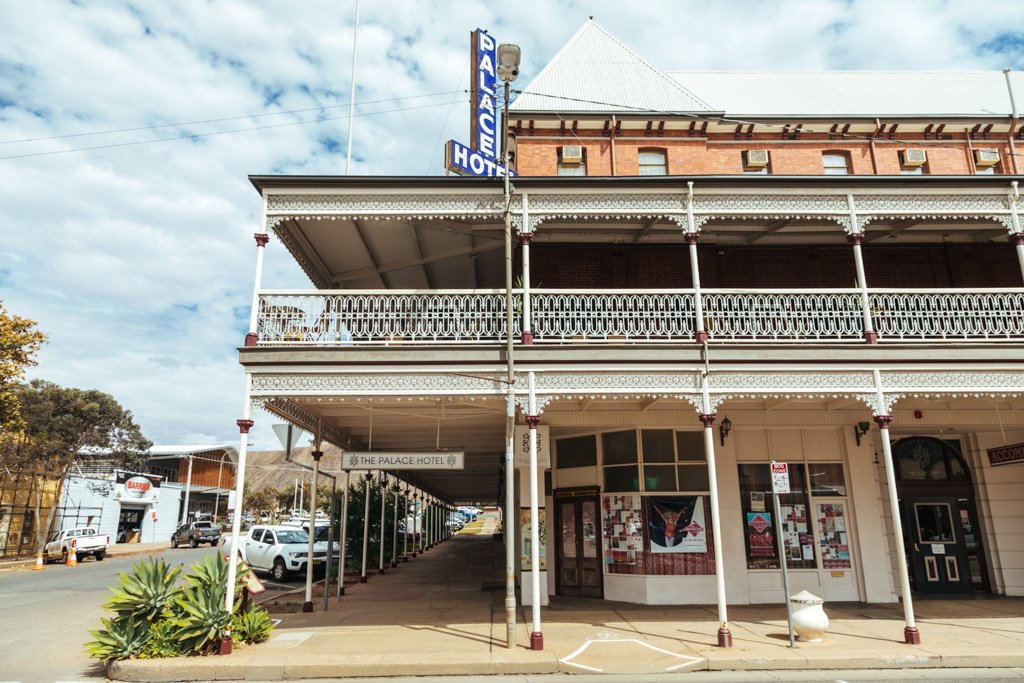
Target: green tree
{"type": "Point", "coordinates": [19, 343]}
{"type": "Point", "coordinates": [63, 426]}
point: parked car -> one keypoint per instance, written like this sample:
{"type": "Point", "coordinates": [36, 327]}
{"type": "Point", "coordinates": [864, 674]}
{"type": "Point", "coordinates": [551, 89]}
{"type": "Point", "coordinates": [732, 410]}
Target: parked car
{"type": "Point", "coordinates": [83, 541]}
{"type": "Point", "coordinates": [280, 550]}
{"type": "Point", "coordinates": [195, 533]}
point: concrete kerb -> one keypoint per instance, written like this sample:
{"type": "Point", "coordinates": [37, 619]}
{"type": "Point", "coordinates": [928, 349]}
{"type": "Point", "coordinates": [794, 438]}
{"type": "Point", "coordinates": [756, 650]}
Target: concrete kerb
{"type": "Point", "coordinates": [119, 550]}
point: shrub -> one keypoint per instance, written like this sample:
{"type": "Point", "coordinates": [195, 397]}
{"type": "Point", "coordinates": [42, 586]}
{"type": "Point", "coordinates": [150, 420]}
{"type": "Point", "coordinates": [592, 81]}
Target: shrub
{"type": "Point", "coordinates": [251, 626]}
{"type": "Point", "coordinates": [155, 616]}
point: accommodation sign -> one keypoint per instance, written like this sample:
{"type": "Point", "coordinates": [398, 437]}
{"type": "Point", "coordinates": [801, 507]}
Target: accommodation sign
{"type": "Point", "coordinates": [1006, 455]}
{"type": "Point", "coordinates": [402, 461]}
{"type": "Point", "coordinates": [478, 158]}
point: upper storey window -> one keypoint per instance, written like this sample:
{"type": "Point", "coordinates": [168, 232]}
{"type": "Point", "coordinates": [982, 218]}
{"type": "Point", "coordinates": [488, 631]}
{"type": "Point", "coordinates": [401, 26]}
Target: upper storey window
{"type": "Point", "coordinates": [653, 162]}
{"type": "Point", "coordinates": [572, 160]}
{"type": "Point", "coordinates": [836, 163]}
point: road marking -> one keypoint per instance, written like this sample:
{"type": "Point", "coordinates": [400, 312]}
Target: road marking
{"type": "Point", "coordinates": [605, 637]}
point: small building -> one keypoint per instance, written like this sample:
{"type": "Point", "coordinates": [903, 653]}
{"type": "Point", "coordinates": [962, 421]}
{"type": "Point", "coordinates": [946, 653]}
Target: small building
{"type": "Point", "coordinates": [178, 483]}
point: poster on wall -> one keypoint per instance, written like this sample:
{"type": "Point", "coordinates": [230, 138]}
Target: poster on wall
{"type": "Point", "coordinates": [133, 487]}
{"type": "Point", "coordinates": [759, 535]}
{"type": "Point", "coordinates": [525, 556]}
{"type": "Point", "coordinates": [677, 524]}
{"type": "Point", "coordinates": [623, 530]}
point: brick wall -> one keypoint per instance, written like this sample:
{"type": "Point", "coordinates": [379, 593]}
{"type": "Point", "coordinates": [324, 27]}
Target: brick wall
{"type": "Point", "coordinates": [568, 266]}
{"type": "Point", "coordinates": [699, 156]}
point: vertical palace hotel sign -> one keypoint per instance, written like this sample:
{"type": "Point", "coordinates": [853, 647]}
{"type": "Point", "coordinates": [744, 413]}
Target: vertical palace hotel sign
{"type": "Point", "coordinates": [479, 158]}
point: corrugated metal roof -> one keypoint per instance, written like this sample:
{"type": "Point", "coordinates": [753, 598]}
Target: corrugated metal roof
{"type": "Point", "coordinates": [854, 93]}
{"type": "Point", "coordinates": [595, 71]}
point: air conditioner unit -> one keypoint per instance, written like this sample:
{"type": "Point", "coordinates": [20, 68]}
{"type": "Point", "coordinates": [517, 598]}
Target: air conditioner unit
{"type": "Point", "coordinates": [913, 157]}
{"type": "Point", "coordinates": [572, 154]}
{"type": "Point", "coordinates": [755, 158]}
{"type": "Point", "coordinates": [983, 158]}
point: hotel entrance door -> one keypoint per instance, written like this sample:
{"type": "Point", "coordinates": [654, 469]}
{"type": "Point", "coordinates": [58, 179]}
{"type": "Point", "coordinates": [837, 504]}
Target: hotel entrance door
{"type": "Point", "coordinates": [578, 550]}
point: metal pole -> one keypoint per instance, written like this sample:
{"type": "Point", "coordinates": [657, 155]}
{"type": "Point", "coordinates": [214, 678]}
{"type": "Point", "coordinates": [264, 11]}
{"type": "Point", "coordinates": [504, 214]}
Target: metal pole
{"type": "Point", "coordinates": [307, 606]}
{"type": "Point", "coordinates": [405, 536]}
{"type": "Point", "coordinates": [188, 489]}
{"type": "Point", "coordinates": [366, 524]}
{"type": "Point", "coordinates": [343, 554]}
{"type": "Point", "coordinates": [244, 425]}
{"type": "Point", "coordinates": [394, 531]}
{"type": "Point", "coordinates": [785, 565]}
{"type": "Point", "coordinates": [352, 94]}
{"type": "Point", "coordinates": [330, 543]}
{"type": "Point", "coordinates": [216, 503]}
{"type": "Point", "coordinates": [700, 334]}
{"type": "Point", "coordinates": [383, 518]}
{"type": "Point", "coordinates": [856, 238]}
{"type": "Point", "coordinates": [510, 405]}
{"type": "Point", "coordinates": [536, 635]}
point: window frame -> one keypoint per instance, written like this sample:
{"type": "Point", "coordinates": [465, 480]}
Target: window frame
{"type": "Point", "coordinates": [560, 165]}
{"type": "Point", "coordinates": [652, 150]}
{"type": "Point", "coordinates": [836, 154]}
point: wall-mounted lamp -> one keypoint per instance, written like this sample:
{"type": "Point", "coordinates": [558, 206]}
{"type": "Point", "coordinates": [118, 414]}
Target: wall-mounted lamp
{"type": "Point", "coordinates": [724, 428]}
{"type": "Point", "coordinates": [860, 429]}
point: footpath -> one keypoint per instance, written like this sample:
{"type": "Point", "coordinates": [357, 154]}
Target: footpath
{"type": "Point", "coordinates": [442, 613]}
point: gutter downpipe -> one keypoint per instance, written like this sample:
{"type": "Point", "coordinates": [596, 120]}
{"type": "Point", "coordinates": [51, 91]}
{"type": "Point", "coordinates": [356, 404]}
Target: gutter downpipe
{"type": "Point", "coordinates": [871, 145]}
{"type": "Point", "coordinates": [614, 123]}
{"type": "Point", "coordinates": [508, 525]}
{"type": "Point", "coordinates": [1014, 120]}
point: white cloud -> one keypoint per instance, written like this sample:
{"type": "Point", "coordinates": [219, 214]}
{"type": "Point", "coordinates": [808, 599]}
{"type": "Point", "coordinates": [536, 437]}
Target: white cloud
{"type": "Point", "coordinates": [137, 260]}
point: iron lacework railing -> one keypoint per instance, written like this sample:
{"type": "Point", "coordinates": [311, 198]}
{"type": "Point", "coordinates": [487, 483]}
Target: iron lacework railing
{"type": "Point", "coordinates": [348, 317]}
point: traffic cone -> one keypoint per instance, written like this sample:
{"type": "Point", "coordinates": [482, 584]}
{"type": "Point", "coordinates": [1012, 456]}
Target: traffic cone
{"type": "Point", "coordinates": [39, 566]}
{"type": "Point", "coordinates": [72, 560]}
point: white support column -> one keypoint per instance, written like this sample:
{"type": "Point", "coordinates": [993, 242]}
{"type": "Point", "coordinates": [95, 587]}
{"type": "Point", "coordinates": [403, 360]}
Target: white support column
{"type": "Point", "coordinates": [394, 527]}
{"type": "Point", "coordinates": [508, 525]}
{"type": "Point", "coordinates": [910, 633]}
{"type": "Point", "coordinates": [307, 606]}
{"type": "Point", "coordinates": [707, 418]}
{"type": "Point", "coordinates": [700, 334]}
{"type": "Point", "coordinates": [383, 486]}
{"type": "Point", "coordinates": [251, 337]}
{"type": "Point", "coordinates": [342, 555]}
{"type": "Point", "coordinates": [1017, 239]}
{"type": "Point", "coordinates": [533, 419]}
{"type": "Point", "coordinates": [415, 522]}
{"type": "Point", "coordinates": [188, 490]}
{"type": "Point", "coordinates": [525, 237]}
{"type": "Point", "coordinates": [244, 425]}
{"type": "Point", "coordinates": [366, 524]}
{"type": "Point", "coordinates": [856, 237]}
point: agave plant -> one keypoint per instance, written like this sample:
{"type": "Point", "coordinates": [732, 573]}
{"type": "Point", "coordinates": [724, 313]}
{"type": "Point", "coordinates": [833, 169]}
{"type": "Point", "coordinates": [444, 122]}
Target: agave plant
{"type": "Point", "coordinates": [251, 626]}
{"type": "Point", "coordinates": [200, 616]}
{"type": "Point", "coordinates": [146, 592]}
{"type": "Point", "coordinates": [120, 638]}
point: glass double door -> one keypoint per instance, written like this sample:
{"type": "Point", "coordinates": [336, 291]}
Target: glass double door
{"type": "Point", "coordinates": [940, 536]}
{"type": "Point", "coordinates": [579, 544]}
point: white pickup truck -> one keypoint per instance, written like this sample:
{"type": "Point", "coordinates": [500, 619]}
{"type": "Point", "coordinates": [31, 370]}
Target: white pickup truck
{"type": "Point", "coordinates": [83, 541]}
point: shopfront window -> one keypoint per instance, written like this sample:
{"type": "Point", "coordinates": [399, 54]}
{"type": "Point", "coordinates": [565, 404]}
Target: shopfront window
{"type": "Point", "coordinates": [760, 528]}
{"type": "Point", "coordinates": [620, 459]}
{"type": "Point", "coordinates": [579, 451]}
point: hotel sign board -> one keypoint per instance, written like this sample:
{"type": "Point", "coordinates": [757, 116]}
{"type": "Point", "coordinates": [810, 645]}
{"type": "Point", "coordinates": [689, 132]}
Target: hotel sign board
{"type": "Point", "coordinates": [478, 158]}
{"type": "Point", "coordinates": [1006, 455]}
{"type": "Point", "coordinates": [375, 460]}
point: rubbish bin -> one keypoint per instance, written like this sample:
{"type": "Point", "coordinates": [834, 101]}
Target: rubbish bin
{"type": "Point", "coordinates": [809, 619]}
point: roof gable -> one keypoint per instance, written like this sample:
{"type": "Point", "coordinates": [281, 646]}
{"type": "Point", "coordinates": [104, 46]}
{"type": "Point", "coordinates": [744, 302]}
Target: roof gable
{"type": "Point", "coordinates": [596, 72]}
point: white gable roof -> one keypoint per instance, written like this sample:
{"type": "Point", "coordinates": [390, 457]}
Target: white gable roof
{"type": "Point", "coordinates": [596, 72]}
{"type": "Point", "coordinates": [854, 93]}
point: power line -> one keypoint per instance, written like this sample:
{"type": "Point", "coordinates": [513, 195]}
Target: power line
{"type": "Point", "coordinates": [220, 120]}
{"type": "Point", "coordinates": [221, 132]}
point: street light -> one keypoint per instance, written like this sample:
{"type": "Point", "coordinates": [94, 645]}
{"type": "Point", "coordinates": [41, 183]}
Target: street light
{"type": "Point", "coordinates": [508, 57]}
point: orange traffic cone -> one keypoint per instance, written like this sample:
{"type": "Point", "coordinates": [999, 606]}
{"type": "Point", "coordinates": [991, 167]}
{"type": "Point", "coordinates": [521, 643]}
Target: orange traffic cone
{"type": "Point", "coordinates": [72, 560]}
{"type": "Point", "coordinates": [39, 566]}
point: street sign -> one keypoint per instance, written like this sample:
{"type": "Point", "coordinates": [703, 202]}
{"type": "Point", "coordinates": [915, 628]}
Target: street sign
{"type": "Point", "coordinates": [288, 435]}
{"type": "Point", "coordinates": [780, 477]}
{"type": "Point", "coordinates": [402, 461]}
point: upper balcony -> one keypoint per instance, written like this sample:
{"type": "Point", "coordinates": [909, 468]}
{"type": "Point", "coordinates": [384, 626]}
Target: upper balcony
{"type": "Point", "coordinates": [417, 262]}
{"type": "Point", "coordinates": [390, 318]}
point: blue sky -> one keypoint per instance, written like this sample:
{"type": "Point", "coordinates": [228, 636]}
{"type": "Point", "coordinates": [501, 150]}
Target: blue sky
{"type": "Point", "coordinates": [135, 253]}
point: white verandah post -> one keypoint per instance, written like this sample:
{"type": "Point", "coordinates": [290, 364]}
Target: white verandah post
{"type": "Point", "coordinates": [856, 237]}
{"type": "Point", "coordinates": [707, 418]}
{"type": "Point", "coordinates": [244, 425]}
{"type": "Point", "coordinates": [533, 420]}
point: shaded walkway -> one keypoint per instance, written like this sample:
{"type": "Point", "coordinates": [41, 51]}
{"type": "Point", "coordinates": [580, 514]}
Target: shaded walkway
{"type": "Point", "coordinates": [443, 613]}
